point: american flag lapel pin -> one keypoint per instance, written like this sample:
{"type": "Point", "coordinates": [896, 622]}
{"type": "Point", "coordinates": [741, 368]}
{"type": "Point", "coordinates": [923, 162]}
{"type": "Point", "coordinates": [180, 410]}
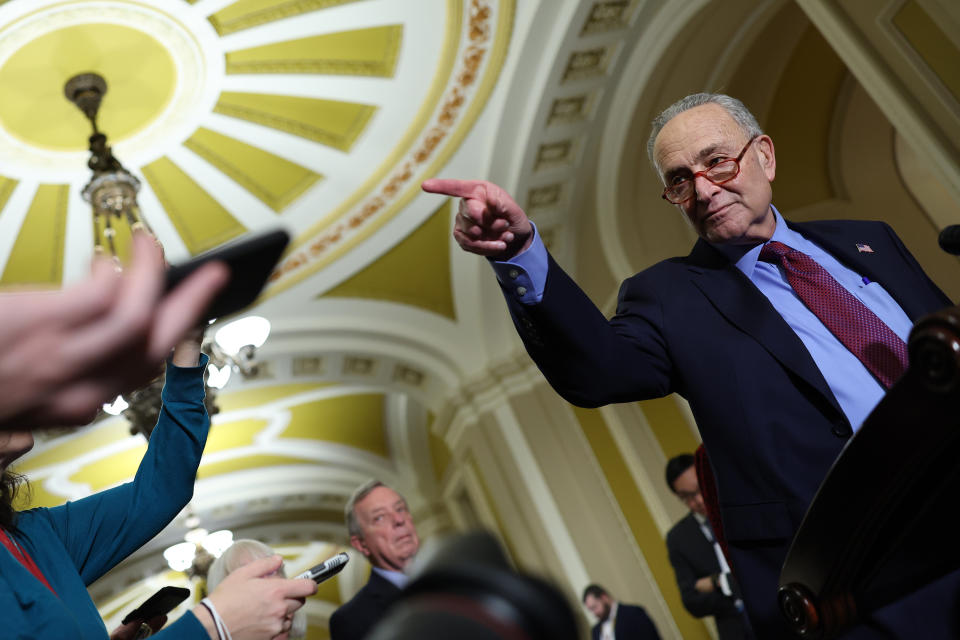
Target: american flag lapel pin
{"type": "Point", "coordinates": [864, 248]}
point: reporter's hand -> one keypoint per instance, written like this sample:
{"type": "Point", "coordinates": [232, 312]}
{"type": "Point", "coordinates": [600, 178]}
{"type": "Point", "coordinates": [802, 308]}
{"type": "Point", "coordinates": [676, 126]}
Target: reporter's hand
{"type": "Point", "coordinates": [186, 353]}
{"type": "Point", "coordinates": [489, 223]}
{"type": "Point", "coordinates": [704, 585]}
{"type": "Point", "coordinates": [254, 604]}
{"type": "Point", "coordinates": [64, 353]}
{"type": "Point", "coordinates": [130, 630]}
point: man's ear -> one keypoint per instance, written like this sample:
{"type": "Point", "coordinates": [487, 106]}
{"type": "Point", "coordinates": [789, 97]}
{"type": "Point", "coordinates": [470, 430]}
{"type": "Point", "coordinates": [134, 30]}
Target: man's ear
{"type": "Point", "coordinates": [767, 156]}
{"type": "Point", "coordinates": [357, 543]}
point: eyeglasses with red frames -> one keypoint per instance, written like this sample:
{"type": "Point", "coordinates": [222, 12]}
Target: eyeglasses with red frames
{"type": "Point", "coordinates": [720, 173]}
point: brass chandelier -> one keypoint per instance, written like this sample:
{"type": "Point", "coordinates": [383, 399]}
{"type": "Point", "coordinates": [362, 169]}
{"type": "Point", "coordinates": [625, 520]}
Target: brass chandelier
{"type": "Point", "coordinates": [112, 191]}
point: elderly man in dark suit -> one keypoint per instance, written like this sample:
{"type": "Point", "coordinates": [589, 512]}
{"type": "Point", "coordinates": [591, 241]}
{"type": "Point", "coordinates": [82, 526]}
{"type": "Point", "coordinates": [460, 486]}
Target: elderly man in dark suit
{"type": "Point", "coordinates": [707, 586]}
{"type": "Point", "coordinates": [616, 620]}
{"type": "Point", "coordinates": [782, 337]}
{"type": "Point", "coordinates": [381, 528]}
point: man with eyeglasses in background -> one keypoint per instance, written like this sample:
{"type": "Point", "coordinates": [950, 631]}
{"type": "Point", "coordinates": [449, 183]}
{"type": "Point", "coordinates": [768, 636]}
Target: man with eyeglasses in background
{"type": "Point", "coordinates": [782, 337]}
{"type": "Point", "coordinates": [707, 586]}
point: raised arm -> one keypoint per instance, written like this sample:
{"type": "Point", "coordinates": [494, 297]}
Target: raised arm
{"type": "Point", "coordinates": [101, 530]}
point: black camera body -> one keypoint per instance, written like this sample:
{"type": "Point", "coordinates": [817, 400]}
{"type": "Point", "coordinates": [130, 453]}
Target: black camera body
{"type": "Point", "coordinates": [467, 591]}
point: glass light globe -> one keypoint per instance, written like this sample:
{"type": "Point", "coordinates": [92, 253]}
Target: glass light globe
{"type": "Point", "coordinates": [116, 407]}
{"type": "Point", "coordinates": [233, 336]}
{"type": "Point", "coordinates": [218, 542]}
{"type": "Point", "coordinates": [217, 377]}
{"type": "Point", "coordinates": [195, 536]}
{"type": "Point", "coordinates": [180, 556]}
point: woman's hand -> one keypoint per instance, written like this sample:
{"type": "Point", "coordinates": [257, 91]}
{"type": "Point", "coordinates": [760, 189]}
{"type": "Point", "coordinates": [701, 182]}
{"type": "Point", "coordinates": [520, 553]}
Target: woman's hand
{"type": "Point", "coordinates": [65, 353]}
{"type": "Point", "coordinates": [187, 351]}
{"type": "Point", "coordinates": [254, 605]}
{"type": "Point", "coordinates": [131, 630]}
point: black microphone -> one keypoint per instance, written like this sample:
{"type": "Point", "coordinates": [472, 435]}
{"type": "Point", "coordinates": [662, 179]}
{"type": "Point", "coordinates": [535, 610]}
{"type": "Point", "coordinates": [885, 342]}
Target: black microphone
{"type": "Point", "coordinates": [326, 570]}
{"type": "Point", "coordinates": [950, 239]}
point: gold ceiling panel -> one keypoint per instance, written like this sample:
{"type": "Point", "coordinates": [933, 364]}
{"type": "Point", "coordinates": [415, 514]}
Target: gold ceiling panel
{"type": "Point", "coordinates": [7, 185]}
{"type": "Point", "coordinates": [331, 122]}
{"type": "Point", "coordinates": [244, 14]}
{"type": "Point", "coordinates": [141, 79]}
{"type": "Point", "coordinates": [37, 254]}
{"type": "Point", "coordinates": [416, 272]}
{"type": "Point", "coordinates": [361, 52]}
{"type": "Point", "coordinates": [801, 117]}
{"type": "Point", "coordinates": [247, 398]}
{"type": "Point", "coordinates": [37, 496]}
{"type": "Point", "coordinates": [934, 46]}
{"type": "Point", "coordinates": [112, 469]}
{"type": "Point", "coordinates": [354, 420]}
{"type": "Point", "coordinates": [274, 180]}
{"type": "Point", "coordinates": [245, 463]}
{"type": "Point", "coordinates": [233, 434]}
{"type": "Point", "coordinates": [201, 221]}
{"type": "Point", "coordinates": [65, 450]}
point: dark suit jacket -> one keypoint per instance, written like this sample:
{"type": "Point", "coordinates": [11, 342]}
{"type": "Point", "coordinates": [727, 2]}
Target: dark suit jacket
{"type": "Point", "coordinates": [693, 557]}
{"type": "Point", "coordinates": [353, 620]}
{"type": "Point", "coordinates": [697, 326]}
{"type": "Point", "coordinates": [632, 623]}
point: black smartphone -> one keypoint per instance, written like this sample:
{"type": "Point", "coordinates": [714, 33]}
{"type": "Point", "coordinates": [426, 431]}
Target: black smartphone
{"type": "Point", "coordinates": [160, 603]}
{"type": "Point", "coordinates": [251, 259]}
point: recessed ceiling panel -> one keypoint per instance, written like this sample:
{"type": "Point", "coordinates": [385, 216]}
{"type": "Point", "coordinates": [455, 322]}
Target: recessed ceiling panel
{"type": "Point", "coordinates": [331, 122]}
{"type": "Point", "coordinates": [244, 14]}
{"type": "Point", "coordinates": [37, 254]}
{"type": "Point", "coordinates": [362, 52]}
{"type": "Point", "coordinates": [203, 223]}
{"type": "Point", "coordinates": [275, 180]}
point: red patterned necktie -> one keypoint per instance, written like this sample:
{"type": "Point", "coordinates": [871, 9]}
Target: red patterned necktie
{"type": "Point", "coordinates": [868, 337]}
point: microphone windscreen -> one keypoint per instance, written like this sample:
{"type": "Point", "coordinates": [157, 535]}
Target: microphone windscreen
{"type": "Point", "coordinates": [950, 239]}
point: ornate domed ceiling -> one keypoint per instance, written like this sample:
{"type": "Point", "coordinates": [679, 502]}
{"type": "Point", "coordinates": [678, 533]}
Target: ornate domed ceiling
{"type": "Point", "coordinates": [318, 116]}
{"type": "Point", "coordinates": [322, 117]}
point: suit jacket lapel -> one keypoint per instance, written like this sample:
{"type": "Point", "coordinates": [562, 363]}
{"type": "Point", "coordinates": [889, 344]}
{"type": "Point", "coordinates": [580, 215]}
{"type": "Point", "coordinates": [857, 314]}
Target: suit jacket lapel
{"type": "Point", "coordinates": [741, 303]}
{"type": "Point", "coordinates": [382, 590]}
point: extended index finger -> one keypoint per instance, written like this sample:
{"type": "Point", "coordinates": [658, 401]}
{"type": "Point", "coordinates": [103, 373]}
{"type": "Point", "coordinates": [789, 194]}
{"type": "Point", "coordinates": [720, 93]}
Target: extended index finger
{"type": "Point", "coordinates": [294, 588]}
{"type": "Point", "coordinates": [457, 188]}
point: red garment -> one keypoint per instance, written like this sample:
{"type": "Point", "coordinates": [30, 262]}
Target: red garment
{"type": "Point", "coordinates": [708, 491]}
{"type": "Point", "coordinates": [21, 554]}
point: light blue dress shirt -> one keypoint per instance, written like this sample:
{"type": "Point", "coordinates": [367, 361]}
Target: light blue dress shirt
{"type": "Point", "coordinates": [396, 578]}
{"type": "Point", "coordinates": [854, 387]}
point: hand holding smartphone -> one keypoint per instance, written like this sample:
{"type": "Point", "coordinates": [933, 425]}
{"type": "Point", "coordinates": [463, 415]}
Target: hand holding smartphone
{"type": "Point", "coordinates": [250, 259]}
{"type": "Point", "coordinates": [160, 603]}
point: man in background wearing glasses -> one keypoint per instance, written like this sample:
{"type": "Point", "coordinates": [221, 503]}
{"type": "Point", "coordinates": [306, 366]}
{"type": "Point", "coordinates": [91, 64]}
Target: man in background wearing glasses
{"type": "Point", "coordinates": [782, 336]}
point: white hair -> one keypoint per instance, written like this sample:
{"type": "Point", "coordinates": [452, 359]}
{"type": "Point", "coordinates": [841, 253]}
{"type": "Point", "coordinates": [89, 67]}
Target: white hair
{"type": "Point", "coordinates": [240, 553]}
{"type": "Point", "coordinates": [737, 110]}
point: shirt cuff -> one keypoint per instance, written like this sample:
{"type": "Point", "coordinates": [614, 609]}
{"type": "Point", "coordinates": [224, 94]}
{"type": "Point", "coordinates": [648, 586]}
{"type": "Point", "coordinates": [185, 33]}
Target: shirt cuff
{"type": "Point", "coordinates": [724, 581]}
{"type": "Point", "coordinates": [525, 274]}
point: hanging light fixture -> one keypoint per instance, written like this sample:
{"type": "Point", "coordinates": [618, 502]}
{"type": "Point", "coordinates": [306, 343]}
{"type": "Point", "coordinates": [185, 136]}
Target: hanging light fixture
{"type": "Point", "coordinates": [112, 191]}
{"type": "Point", "coordinates": [234, 348]}
{"type": "Point", "coordinates": [194, 555]}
